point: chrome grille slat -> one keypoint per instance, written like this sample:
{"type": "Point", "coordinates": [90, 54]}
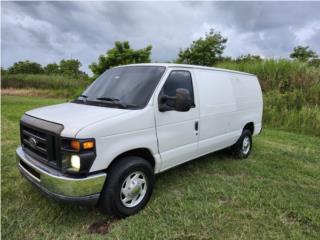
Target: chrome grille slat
{"type": "Point", "coordinates": [40, 139]}
{"type": "Point", "coordinates": [43, 150]}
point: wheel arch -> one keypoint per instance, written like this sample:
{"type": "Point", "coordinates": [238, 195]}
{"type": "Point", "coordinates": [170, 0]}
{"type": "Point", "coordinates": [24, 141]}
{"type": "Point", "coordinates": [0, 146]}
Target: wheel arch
{"type": "Point", "coordinates": [144, 153]}
{"type": "Point", "coordinates": [249, 126]}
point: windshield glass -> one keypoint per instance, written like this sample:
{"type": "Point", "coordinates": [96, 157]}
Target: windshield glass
{"type": "Point", "coordinates": [130, 86]}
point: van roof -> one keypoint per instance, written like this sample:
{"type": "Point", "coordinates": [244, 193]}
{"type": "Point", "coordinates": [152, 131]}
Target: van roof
{"type": "Point", "coordinates": [172, 65]}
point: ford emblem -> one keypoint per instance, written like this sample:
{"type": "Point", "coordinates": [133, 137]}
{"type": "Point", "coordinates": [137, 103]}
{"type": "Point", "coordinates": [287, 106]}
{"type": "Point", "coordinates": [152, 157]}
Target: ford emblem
{"type": "Point", "coordinates": [33, 142]}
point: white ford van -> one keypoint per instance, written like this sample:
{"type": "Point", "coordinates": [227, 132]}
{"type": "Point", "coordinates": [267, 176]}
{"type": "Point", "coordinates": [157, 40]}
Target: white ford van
{"type": "Point", "coordinates": [134, 121]}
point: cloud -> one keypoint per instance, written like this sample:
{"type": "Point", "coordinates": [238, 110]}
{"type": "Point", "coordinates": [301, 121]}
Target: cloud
{"type": "Point", "coordinates": [49, 31]}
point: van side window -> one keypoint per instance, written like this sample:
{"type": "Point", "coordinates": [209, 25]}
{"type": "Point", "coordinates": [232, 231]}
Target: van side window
{"type": "Point", "coordinates": [178, 79]}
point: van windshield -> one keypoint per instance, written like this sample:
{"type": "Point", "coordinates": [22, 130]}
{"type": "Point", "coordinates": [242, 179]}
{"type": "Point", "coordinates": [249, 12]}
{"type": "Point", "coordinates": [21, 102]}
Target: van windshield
{"type": "Point", "coordinates": [123, 87]}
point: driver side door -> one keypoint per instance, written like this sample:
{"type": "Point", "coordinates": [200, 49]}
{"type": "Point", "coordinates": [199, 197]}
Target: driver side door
{"type": "Point", "coordinates": [177, 132]}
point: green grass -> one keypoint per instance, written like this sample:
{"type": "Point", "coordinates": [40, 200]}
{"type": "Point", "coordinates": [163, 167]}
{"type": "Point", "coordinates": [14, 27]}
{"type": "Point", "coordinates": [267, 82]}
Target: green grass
{"type": "Point", "coordinates": [291, 111]}
{"type": "Point", "coordinates": [274, 194]}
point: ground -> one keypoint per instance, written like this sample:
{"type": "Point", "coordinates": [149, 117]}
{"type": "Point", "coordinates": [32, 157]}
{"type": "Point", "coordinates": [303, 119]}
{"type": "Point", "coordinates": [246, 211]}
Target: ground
{"type": "Point", "coordinates": [274, 194]}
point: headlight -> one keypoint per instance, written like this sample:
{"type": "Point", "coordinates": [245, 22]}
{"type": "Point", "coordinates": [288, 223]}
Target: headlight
{"type": "Point", "coordinates": [75, 162]}
{"type": "Point", "coordinates": [77, 155]}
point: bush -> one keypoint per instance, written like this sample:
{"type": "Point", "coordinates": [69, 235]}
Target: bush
{"type": "Point", "coordinates": [295, 111]}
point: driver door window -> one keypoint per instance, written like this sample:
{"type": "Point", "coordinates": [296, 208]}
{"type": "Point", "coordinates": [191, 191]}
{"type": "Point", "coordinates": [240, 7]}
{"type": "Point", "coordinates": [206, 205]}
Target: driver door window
{"type": "Point", "coordinates": [178, 79]}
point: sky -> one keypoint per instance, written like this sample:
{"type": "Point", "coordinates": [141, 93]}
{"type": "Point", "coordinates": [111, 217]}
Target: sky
{"type": "Point", "coordinates": [47, 32]}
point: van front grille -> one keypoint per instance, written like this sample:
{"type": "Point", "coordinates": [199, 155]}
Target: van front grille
{"type": "Point", "coordinates": [40, 144]}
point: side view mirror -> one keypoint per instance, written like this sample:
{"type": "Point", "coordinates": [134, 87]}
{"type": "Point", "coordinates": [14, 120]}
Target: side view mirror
{"type": "Point", "coordinates": [181, 102]}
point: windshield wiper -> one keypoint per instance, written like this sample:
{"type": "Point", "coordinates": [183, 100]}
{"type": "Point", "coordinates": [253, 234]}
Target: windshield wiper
{"type": "Point", "coordinates": [113, 100]}
{"type": "Point", "coordinates": [84, 98]}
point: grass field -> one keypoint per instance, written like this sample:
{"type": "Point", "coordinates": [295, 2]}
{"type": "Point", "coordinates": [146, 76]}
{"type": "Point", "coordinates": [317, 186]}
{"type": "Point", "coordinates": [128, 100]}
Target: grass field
{"type": "Point", "coordinates": [274, 194]}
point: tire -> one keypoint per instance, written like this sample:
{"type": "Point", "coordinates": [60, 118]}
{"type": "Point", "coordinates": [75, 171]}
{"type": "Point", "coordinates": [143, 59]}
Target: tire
{"type": "Point", "coordinates": [124, 181]}
{"type": "Point", "coordinates": [242, 148]}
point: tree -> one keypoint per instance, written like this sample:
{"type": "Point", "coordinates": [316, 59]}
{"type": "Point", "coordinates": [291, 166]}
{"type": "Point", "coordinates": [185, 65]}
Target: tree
{"type": "Point", "coordinates": [303, 54]}
{"type": "Point", "coordinates": [25, 67]}
{"type": "Point", "coordinates": [204, 51]}
{"type": "Point", "coordinates": [249, 58]}
{"type": "Point", "coordinates": [3, 71]}
{"type": "Point", "coordinates": [52, 68]}
{"type": "Point", "coordinates": [71, 67]}
{"type": "Point", "coordinates": [315, 62]}
{"type": "Point", "coordinates": [121, 54]}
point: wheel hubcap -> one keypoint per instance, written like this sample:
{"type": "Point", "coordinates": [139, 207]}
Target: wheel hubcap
{"type": "Point", "coordinates": [133, 189]}
{"type": "Point", "coordinates": [246, 144]}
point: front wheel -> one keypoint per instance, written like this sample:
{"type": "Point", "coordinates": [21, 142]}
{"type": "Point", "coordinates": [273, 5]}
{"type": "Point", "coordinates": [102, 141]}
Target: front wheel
{"type": "Point", "coordinates": [128, 187]}
{"type": "Point", "coordinates": [242, 148]}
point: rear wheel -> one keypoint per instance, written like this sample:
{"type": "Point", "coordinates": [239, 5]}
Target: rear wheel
{"type": "Point", "coordinates": [242, 148]}
{"type": "Point", "coordinates": [128, 187]}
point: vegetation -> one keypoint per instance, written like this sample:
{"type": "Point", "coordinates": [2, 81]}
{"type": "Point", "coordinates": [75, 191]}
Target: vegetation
{"type": "Point", "coordinates": [71, 68]}
{"type": "Point", "coordinates": [274, 194]}
{"type": "Point", "coordinates": [53, 84]}
{"type": "Point", "coordinates": [41, 81]}
{"type": "Point", "coordinates": [303, 54]}
{"type": "Point", "coordinates": [205, 51]}
{"type": "Point", "coordinates": [25, 67]}
{"type": "Point", "coordinates": [51, 68]}
{"type": "Point", "coordinates": [68, 68]}
{"type": "Point", "coordinates": [121, 54]}
{"type": "Point", "coordinates": [246, 58]}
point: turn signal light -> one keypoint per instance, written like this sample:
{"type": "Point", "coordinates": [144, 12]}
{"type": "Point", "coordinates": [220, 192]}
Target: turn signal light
{"type": "Point", "coordinates": [75, 144]}
{"type": "Point", "coordinates": [88, 145]}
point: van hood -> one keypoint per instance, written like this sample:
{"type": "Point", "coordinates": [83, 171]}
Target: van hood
{"type": "Point", "coordinates": [75, 116]}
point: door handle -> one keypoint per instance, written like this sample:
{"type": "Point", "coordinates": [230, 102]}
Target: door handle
{"type": "Point", "coordinates": [196, 126]}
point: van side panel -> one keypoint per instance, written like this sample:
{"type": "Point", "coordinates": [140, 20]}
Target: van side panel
{"type": "Point", "coordinates": [248, 97]}
{"type": "Point", "coordinates": [228, 101]}
{"type": "Point", "coordinates": [217, 107]}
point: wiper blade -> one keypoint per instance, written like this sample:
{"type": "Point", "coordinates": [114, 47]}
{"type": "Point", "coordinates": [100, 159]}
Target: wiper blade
{"type": "Point", "coordinates": [84, 96]}
{"type": "Point", "coordinates": [113, 100]}
{"type": "Point", "coordinates": [108, 99]}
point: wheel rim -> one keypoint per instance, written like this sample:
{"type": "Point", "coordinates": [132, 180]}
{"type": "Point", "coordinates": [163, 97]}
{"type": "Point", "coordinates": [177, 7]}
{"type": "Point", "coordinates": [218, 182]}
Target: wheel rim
{"type": "Point", "coordinates": [133, 189]}
{"type": "Point", "coordinates": [246, 144]}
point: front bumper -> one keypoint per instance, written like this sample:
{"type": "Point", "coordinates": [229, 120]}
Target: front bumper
{"type": "Point", "coordinates": [54, 184]}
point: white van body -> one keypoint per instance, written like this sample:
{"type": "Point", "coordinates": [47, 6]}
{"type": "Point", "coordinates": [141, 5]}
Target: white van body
{"type": "Point", "coordinates": [224, 103]}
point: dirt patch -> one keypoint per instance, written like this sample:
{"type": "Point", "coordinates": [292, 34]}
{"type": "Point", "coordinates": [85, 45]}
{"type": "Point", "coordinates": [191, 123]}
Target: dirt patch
{"type": "Point", "coordinates": [101, 227]}
{"type": "Point", "coordinates": [223, 200]}
{"type": "Point", "coordinates": [21, 92]}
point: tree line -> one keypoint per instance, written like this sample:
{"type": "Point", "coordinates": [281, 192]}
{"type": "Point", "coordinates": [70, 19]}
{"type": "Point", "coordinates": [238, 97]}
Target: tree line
{"type": "Point", "coordinates": [206, 51]}
{"type": "Point", "coordinates": [69, 68]}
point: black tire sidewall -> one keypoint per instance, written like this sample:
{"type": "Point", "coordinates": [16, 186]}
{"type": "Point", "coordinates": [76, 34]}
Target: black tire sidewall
{"type": "Point", "coordinates": [238, 146]}
{"type": "Point", "coordinates": [110, 199]}
{"type": "Point", "coordinates": [117, 202]}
